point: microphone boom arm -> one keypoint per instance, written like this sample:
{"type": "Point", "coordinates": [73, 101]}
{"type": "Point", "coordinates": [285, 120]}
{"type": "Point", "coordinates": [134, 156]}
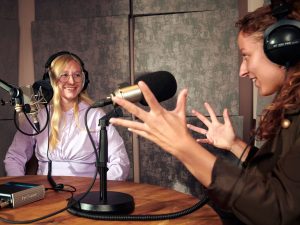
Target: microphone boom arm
{"type": "Point", "coordinates": [15, 93]}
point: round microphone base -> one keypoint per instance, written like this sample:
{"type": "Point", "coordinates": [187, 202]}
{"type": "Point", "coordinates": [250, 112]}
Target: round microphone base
{"type": "Point", "coordinates": [117, 203]}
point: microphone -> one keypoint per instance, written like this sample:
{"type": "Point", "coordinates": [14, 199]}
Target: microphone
{"type": "Point", "coordinates": [35, 97]}
{"type": "Point", "coordinates": [161, 83]}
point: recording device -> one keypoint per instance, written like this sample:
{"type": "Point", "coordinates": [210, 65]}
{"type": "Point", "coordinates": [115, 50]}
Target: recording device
{"type": "Point", "coordinates": [282, 39]}
{"type": "Point", "coordinates": [16, 194]}
{"type": "Point", "coordinates": [161, 83]}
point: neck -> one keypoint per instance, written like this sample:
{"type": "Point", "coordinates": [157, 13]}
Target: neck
{"type": "Point", "coordinates": [66, 106]}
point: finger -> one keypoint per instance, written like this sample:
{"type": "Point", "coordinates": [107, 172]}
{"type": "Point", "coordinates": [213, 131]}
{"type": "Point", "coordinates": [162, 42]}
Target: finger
{"type": "Point", "coordinates": [211, 112]}
{"type": "Point", "coordinates": [181, 102]}
{"type": "Point", "coordinates": [204, 141]}
{"type": "Point", "coordinates": [197, 129]}
{"type": "Point", "coordinates": [202, 118]}
{"type": "Point", "coordinates": [147, 135]}
{"type": "Point", "coordinates": [127, 123]}
{"type": "Point", "coordinates": [130, 107]}
{"type": "Point", "coordinates": [226, 117]}
{"type": "Point", "coordinates": [140, 133]}
{"type": "Point", "coordinates": [149, 96]}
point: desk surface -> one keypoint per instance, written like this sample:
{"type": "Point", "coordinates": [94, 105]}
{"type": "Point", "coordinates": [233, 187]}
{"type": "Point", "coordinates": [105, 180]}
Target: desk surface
{"type": "Point", "coordinates": [149, 200]}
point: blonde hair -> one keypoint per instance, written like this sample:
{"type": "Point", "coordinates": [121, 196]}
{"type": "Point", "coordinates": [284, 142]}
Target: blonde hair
{"type": "Point", "coordinates": [56, 68]}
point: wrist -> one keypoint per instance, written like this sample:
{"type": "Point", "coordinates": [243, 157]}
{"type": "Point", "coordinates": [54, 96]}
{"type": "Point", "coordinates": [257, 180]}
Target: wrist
{"type": "Point", "coordinates": [237, 148]}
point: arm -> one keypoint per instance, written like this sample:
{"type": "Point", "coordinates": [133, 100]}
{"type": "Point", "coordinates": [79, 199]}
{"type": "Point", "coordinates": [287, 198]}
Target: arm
{"type": "Point", "coordinates": [267, 192]}
{"type": "Point", "coordinates": [118, 162]}
{"type": "Point", "coordinates": [172, 127]}
{"type": "Point", "coordinates": [19, 152]}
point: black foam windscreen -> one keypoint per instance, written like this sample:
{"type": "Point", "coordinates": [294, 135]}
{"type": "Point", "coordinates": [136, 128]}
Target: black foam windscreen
{"type": "Point", "coordinates": [45, 87]}
{"type": "Point", "coordinates": [162, 83]}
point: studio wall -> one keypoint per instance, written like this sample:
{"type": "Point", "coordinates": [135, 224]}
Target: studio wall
{"type": "Point", "coordinates": [9, 57]}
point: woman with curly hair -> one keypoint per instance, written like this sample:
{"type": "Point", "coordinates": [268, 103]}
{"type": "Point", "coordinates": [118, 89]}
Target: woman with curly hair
{"type": "Point", "coordinates": [265, 187]}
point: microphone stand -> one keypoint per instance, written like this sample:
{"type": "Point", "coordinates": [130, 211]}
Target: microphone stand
{"type": "Point", "coordinates": [102, 202]}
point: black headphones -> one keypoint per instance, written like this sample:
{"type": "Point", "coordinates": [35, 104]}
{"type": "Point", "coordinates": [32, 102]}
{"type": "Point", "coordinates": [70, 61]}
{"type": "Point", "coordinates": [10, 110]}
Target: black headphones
{"type": "Point", "coordinates": [46, 75]}
{"type": "Point", "coordinates": [282, 39]}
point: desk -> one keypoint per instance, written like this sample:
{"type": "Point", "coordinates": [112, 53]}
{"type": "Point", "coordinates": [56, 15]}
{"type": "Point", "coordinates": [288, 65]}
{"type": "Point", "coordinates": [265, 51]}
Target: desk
{"type": "Point", "coordinates": [149, 199]}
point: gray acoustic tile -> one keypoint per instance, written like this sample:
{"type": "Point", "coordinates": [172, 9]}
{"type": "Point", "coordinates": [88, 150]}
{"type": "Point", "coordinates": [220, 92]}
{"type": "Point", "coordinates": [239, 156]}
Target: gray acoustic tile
{"type": "Point", "coordinates": [74, 9]}
{"type": "Point", "coordinates": [199, 49]}
{"type": "Point", "coordinates": [101, 43]}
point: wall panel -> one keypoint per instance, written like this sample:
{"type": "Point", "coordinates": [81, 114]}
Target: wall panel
{"type": "Point", "coordinates": [167, 6]}
{"type": "Point", "coordinates": [74, 9]}
{"type": "Point", "coordinates": [199, 49]}
{"type": "Point", "coordinates": [9, 56]}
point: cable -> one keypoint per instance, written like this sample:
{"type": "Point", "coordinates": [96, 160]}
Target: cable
{"type": "Point", "coordinates": [166, 216]}
{"type": "Point", "coordinates": [31, 124]}
{"type": "Point", "coordinates": [55, 212]}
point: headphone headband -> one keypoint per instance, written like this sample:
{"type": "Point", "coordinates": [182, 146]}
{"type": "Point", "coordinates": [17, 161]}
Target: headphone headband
{"type": "Point", "coordinates": [54, 56]}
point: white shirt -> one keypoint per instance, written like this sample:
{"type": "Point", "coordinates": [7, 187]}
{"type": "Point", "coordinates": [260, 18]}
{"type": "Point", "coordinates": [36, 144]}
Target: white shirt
{"type": "Point", "coordinates": [74, 154]}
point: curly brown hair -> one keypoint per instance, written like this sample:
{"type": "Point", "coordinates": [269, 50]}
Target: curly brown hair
{"type": "Point", "coordinates": [288, 97]}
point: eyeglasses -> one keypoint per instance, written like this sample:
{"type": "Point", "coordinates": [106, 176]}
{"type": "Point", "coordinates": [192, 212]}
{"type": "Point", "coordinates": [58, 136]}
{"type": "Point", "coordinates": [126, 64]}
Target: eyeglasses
{"type": "Point", "coordinates": [77, 77]}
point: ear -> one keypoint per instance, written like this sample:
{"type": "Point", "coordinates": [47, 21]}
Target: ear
{"type": "Point", "coordinates": [283, 68]}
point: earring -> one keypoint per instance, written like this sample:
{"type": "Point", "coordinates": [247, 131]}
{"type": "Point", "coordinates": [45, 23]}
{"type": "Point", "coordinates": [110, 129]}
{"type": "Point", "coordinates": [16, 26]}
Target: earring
{"type": "Point", "coordinates": [285, 123]}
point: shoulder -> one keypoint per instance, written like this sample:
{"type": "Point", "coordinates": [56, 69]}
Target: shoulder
{"type": "Point", "coordinates": [95, 112]}
{"type": "Point", "coordinates": [293, 118]}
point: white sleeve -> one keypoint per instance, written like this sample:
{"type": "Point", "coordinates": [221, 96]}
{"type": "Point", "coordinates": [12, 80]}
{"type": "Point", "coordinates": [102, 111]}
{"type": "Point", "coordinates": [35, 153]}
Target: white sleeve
{"type": "Point", "coordinates": [19, 152]}
{"type": "Point", "coordinates": [118, 163]}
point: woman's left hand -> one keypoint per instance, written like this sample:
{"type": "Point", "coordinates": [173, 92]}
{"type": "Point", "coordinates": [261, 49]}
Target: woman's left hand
{"type": "Point", "coordinates": [159, 125]}
{"type": "Point", "coordinates": [221, 135]}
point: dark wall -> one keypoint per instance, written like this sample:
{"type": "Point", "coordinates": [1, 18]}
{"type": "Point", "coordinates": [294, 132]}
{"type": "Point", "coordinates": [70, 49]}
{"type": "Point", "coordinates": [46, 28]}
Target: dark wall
{"type": "Point", "coordinates": [9, 58]}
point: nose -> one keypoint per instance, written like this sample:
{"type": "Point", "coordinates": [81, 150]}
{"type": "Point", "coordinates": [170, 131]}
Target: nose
{"type": "Point", "coordinates": [71, 79]}
{"type": "Point", "coordinates": [243, 69]}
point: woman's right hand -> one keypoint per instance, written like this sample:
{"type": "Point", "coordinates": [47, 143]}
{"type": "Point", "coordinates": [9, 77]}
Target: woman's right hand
{"type": "Point", "coordinates": [220, 135]}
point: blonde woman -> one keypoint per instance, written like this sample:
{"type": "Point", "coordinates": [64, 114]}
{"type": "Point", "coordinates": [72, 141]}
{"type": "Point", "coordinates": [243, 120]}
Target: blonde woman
{"type": "Point", "coordinates": [67, 143]}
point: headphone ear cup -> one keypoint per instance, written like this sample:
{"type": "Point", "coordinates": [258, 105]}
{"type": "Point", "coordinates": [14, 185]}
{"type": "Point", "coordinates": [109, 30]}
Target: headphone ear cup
{"type": "Point", "coordinates": [282, 42]}
{"type": "Point", "coordinates": [86, 80]}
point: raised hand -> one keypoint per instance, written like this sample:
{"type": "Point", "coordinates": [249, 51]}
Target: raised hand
{"type": "Point", "coordinates": [219, 134]}
{"type": "Point", "coordinates": [168, 130]}
{"type": "Point", "coordinates": [159, 125]}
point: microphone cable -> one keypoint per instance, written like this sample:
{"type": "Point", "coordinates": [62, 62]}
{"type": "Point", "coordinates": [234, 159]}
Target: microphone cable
{"type": "Point", "coordinates": [55, 187]}
{"type": "Point", "coordinates": [31, 124]}
{"type": "Point", "coordinates": [55, 212]}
